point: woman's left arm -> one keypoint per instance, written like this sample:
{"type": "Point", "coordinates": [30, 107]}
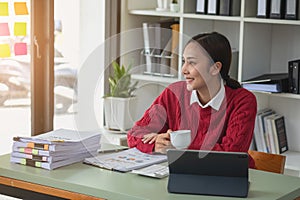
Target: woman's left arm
{"type": "Point", "coordinates": [239, 131]}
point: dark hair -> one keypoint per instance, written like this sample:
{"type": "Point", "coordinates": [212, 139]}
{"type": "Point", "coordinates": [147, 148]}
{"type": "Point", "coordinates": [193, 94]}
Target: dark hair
{"type": "Point", "coordinates": [219, 49]}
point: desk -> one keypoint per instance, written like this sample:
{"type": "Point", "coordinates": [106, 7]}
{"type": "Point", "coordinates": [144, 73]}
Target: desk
{"type": "Point", "coordinates": [101, 183]}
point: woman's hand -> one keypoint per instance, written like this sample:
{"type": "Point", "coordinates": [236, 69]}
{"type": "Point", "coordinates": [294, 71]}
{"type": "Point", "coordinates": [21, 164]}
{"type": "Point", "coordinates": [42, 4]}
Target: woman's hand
{"type": "Point", "coordinates": [162, 142]}
{"type": "Point", "coordinates": [149, 138]}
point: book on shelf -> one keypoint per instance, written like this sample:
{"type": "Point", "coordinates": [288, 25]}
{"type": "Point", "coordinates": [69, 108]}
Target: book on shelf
{"type": "Point", "coordinates": [280, 130]}
{"type": "Point", "coordinates": [274, 82]}
{"type": "Point", "coordinates": [270, 134]}
{"type": "Point", "coordinates": [55, 148]}
{"type": "Point", "coordinates": [259, 130]}
{"type": "Point", "coordinates": [125, 161]}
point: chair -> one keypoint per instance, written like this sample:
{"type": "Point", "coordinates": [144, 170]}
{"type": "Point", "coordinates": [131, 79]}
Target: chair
{"type": "Point", "coordinates": [268, 162]}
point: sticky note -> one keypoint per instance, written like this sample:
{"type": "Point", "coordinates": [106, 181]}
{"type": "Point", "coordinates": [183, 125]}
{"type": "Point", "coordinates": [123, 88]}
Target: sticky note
{"type": "Point", "coordinates": [21, 8]}
{"type": "Point", "coordinates": [4, 30]}
{"type": "Point", "coordinates": [20, 48]}
{"type": "Point", "coordinates": [4, 51]}
{"type": "Point", "coordinates": [20, 29]}
{"type": "Point", "coordinates": [3, 8]}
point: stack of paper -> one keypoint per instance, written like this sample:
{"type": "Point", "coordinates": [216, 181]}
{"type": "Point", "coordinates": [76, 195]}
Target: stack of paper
{"type": "Point", "coordinates": [125, 161]}
{"type": "Point", "coordinates": [55, 149]}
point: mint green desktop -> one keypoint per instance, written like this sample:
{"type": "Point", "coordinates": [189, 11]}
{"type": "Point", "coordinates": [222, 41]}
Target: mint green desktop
{"type": "Point", "coordinates": [93, 181]}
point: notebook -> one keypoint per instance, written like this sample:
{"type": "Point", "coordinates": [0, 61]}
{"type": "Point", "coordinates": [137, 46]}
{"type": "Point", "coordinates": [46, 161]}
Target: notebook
{"type": "Point", "coordinates": [208, 172]}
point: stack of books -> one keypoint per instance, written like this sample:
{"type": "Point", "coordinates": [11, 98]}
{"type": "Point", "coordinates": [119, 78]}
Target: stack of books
{"type": "Point", "coordinates": [55, 148]}
{"type": "Point", "coordinates": [270, 132]}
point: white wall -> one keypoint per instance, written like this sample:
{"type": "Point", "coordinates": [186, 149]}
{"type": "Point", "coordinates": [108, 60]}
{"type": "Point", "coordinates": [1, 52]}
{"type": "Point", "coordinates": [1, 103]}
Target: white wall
{"type": "Point", "coordinates": [83, 27]}
{"type": "Point", "coordinates": [90, 78]}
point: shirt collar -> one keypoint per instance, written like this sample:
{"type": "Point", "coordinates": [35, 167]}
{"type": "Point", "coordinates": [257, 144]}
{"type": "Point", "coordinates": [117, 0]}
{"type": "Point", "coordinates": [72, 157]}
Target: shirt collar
{"type": "Point", "coordinates": [215, 102]}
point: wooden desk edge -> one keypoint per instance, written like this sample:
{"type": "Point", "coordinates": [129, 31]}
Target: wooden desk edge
{"type": "Point", "coordinates": [45, 189]}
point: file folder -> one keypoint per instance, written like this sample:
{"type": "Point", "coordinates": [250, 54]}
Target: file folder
{"type": "Point", "coordinates": [213, 7]}
{"type": "Point", "coordinates": [294, 76]}
{"type": "Point", "coordinates": [201, 6]}
{"type": "Point", "coordinates": [230, 7]}
{"type": "Point", "coordinates": [277, 9]}
{"type": "Point", "coordinates": [292, 9]}
{"type": "Point", "coordinates": [263, 9]}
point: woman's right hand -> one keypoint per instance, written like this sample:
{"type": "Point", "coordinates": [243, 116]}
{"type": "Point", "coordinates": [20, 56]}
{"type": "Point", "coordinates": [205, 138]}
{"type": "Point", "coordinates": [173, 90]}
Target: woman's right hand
{"type": "Point", "coordinates": [162, 142]}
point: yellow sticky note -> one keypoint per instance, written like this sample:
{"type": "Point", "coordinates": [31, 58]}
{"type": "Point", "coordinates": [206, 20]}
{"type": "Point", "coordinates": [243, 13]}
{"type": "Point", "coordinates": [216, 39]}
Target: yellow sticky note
{"type": "Point", "coordinates": [4, 51]}
{"type": "Point", "coordinates": [20, 28]}
{"type": "Point", "coordinates": [3, 8]}
{"type": "Point", "coordinates": [21, 8]}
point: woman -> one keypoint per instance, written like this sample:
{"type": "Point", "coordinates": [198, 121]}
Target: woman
{"type": "Point", "coordinates": [219, 113]}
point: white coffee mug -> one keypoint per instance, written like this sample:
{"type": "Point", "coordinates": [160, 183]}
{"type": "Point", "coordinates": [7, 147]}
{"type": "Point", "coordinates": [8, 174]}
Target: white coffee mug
{"type": "Point", "coordinates": [180, 139]}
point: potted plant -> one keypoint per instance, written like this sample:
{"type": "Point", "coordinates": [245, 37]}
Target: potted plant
{"type": "Point", "coordinates": [174, 6]}
{"type": "Point", "coordinates": [118, 101]}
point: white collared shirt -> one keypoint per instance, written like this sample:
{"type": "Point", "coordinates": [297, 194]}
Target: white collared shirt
{"type": "Point", "coordinates": [215, 102]}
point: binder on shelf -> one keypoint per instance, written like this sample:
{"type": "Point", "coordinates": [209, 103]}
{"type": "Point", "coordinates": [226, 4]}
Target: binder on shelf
{"type": "Point", "coordinates": [201, 6]}
{"type": "Point", "coordinates": [174, 50]}
{"type": "Point", "coordinates": [274, 82]}
{"type": "Point", "coordinates": [294, 76]}
{"type": "Point", "coordinates": [213, 7]}
{"type": "Point", "coordinates": [277, 9]}
{"type": "Point", "coordinates": [263, 9]}
{"type": "Point", "coordinates": [292, 9]}
{"type": "Point", "coordinates": [147, 47]}
{"type": "Point", "coordinates": [230, 7]}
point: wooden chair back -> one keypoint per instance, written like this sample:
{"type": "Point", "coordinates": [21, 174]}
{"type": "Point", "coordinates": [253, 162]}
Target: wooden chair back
{"type": "Point", "coordinates": [268, 162]}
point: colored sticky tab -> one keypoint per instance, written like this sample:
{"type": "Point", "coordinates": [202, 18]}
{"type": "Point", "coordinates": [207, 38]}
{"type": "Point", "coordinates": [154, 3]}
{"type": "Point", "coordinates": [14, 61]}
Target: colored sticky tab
{"type": "Point", "coordinates": [23, 161]}
{"type": "Point", "coordinates": [28, 150]}
{"type": "Point", "coordinates": [35, 151]}
{"type": "Point", "coordinates": [3, 8]}
{"type": "Point", "coordinates": [4, 51]}
{"type": "Point", "coordinates": [30, 144]}
{"type": "Point", "coordinates": [21, 8]}
{"type": "Point", "coordinates": [21, 49]}
{"type": "Point", "coordinates": [4, 30]}
{"type": "Point", "coordinates": [20, 28]}
{"type": "Point", "coordinates": [46, 146]}
{"type": "Point", "coordinates": [38, 164]}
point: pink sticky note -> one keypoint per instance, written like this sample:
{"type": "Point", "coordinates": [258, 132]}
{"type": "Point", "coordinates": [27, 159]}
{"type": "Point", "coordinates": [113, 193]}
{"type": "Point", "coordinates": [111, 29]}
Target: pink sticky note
{"type": "Point", "coordinates": [4, 30]}
{"type": "Point", "coordinates": [20, 48]}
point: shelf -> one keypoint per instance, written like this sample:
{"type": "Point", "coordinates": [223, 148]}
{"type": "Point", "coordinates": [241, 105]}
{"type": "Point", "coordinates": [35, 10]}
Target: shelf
{"type": "Point", "coordinates": [212, 17]}
{"type": "Point", "coordinates": [151, 78]}
{"type": "Point", "coordinates": [271, 21]}
{"type": "Point", "coordinates": [283, 95]}
{"type": "Point", "coordinates": [155, 13]}
{"type": "Point", "coordinates": [292, 160]}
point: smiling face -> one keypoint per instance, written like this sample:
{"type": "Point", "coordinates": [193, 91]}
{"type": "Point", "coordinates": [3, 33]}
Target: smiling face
{"type": "Point", "coordinates": [197, 67]}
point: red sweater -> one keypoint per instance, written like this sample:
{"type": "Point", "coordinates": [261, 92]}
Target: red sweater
{"type": "Point", "coordinates": [228, 129]}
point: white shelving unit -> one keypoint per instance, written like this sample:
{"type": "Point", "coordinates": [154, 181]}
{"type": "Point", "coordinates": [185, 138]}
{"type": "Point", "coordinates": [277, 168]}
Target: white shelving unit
{"type": "Point", "coordinates": [263, 45]}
